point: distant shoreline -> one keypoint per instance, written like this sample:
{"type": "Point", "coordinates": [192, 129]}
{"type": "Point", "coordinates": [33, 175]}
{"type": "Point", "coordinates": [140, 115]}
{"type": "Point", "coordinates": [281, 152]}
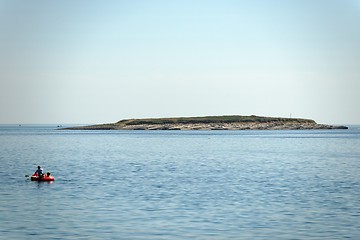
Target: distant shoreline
{"type": "Point", "coordinates": [233, 122]}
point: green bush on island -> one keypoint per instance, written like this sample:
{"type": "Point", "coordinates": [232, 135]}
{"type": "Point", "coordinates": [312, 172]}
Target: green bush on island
{"type": "Point", "coordinates": [211, 119]}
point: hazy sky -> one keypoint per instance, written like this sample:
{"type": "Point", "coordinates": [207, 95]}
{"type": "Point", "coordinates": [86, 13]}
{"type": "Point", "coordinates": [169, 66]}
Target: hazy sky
{"type": "Point", "coordinates": [102, 61]}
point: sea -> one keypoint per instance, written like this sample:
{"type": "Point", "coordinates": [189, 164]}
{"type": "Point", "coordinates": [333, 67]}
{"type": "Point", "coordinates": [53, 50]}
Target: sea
{"type": "Point", "coordinates": [252, 184]}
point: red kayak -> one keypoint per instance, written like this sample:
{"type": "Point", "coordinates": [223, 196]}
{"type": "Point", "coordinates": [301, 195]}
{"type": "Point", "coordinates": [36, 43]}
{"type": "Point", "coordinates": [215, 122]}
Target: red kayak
{"type": "Point", "coordinates": [44, 178]}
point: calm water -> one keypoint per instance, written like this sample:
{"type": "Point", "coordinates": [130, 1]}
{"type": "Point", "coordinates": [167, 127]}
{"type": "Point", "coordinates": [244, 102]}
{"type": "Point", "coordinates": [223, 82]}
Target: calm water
{"type": "Point", "coordinates": [180, 185]}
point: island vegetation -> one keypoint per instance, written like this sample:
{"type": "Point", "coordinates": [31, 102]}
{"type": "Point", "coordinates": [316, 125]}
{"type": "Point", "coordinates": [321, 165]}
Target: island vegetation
{"type": "Point", "coordinates": [232, 122]}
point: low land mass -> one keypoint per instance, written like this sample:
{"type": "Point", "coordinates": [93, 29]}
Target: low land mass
{"type": "Point", "coordinates": [233, 122]}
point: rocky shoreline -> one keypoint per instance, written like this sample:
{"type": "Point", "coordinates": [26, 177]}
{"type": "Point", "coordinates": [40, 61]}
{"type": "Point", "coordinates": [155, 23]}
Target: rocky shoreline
{"type": "Point", "coordinates": [212, 123]}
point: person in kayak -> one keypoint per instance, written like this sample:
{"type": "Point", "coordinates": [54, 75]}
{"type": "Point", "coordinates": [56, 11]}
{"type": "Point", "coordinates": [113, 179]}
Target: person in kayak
{"type": "Point", "coordinates": [39, 172]}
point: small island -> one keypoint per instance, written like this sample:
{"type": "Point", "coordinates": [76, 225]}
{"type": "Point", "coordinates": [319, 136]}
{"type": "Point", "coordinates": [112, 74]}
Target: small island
{"type": "Point", "coordinates": [233, 122]}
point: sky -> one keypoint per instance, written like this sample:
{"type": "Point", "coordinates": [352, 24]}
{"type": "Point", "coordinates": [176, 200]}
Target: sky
{"type": "Point", "coordinates": [74, 62]}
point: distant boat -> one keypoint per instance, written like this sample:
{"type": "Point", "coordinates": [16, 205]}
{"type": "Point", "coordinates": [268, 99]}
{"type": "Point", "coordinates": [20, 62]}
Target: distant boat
{"type": "Point", "coordinates": [45, 178]}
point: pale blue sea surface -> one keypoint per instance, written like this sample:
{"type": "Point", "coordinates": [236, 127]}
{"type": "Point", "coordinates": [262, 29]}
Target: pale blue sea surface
{"type": "Point", "coordinates": [180, 184]}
